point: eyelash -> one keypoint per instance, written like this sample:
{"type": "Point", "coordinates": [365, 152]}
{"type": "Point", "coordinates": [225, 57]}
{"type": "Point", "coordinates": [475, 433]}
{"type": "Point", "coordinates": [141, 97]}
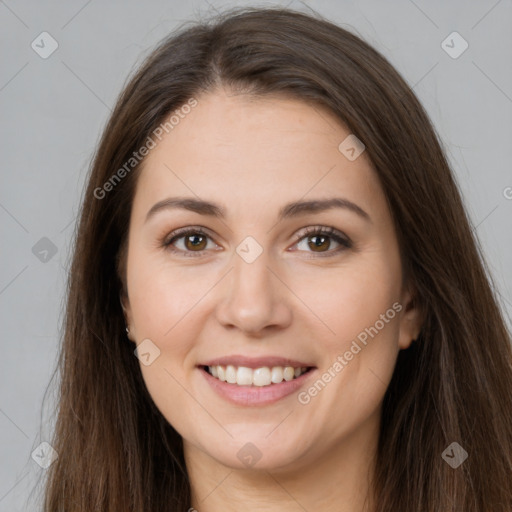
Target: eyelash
{"type": "Point", "coordinates": [337, 236]}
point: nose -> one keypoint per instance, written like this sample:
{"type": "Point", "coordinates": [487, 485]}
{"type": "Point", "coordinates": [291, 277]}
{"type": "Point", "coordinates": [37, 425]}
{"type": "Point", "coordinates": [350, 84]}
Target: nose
{"type": "Point", "coordinates": [254, 298]}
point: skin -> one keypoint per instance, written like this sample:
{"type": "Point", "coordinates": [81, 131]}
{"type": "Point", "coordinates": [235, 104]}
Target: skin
{"type": "Point", "coordinates": [253, 156]}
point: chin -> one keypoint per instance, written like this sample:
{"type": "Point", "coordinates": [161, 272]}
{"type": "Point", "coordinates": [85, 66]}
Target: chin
{"type": "Point", "coordinates": [255, 452]}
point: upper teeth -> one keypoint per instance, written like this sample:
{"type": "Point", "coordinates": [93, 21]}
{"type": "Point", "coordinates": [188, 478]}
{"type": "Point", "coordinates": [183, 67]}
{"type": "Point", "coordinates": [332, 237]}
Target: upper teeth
{"type": "Point", "coordinates": [264, 376]}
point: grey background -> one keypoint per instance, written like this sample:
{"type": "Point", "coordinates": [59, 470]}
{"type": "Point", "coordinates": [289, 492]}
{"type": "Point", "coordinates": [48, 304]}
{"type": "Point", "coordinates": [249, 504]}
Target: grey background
{"type": "Point", "coordinates": [52, 112]}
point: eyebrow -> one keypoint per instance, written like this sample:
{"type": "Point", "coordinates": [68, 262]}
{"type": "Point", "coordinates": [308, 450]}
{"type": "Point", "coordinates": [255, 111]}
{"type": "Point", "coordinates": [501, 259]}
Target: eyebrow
{"type": "Point", "coordinates": [290, 210]}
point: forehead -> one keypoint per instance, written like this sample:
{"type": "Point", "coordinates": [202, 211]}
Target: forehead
{"type": "Point", "coordinates": [262, 150]}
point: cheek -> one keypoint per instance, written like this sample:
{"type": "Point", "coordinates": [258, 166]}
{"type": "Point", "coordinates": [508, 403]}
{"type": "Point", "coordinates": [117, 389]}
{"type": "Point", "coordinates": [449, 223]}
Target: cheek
{"type": "Point", "coordinates": [357, 339]}
{"type": "Point", "coordinates": [164, 303]}
{"type": "Point", "coordinates": [163, 296]}
{"type": "Point", "coordinates": [351, 298]}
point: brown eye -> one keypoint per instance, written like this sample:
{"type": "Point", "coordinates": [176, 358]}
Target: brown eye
{"type": "Point", "coordinates": [320, 240]}
{"type": "Point", "coordinates": [195, 242]}
{"type": "Point", "coordinates": [187, 242]}
{"type": "Point", "coordinates": [319, 243]}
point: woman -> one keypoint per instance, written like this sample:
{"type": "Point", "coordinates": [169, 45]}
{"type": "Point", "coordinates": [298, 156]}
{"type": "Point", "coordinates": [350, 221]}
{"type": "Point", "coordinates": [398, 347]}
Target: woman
{"type": "Point", "coordinates": [276, 300]}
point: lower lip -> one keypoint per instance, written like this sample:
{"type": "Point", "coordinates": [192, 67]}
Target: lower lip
{"type": "Point", "coordinates": [255, 395]}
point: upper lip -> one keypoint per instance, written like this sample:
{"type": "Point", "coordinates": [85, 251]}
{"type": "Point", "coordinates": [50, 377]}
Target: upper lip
{"type": "Point", "coordinates": [255, 362]}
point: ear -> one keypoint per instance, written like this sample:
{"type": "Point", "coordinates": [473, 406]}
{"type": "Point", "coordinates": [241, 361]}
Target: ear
{"type": "Point", "coordinates": [411, 319]}
{"type": "Point", "coordinates": [128, 317]}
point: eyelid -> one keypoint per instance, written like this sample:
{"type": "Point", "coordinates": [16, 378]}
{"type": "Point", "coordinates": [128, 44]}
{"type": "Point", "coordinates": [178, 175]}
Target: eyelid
{"type": "Point", "coordinates": [338, 236]}
{"type": "Point", "coordinates": [168, 240]}
{"type": "Point", "coordinates": [319, 229]}
{"type": "Point", "coordinates": [179, 232]}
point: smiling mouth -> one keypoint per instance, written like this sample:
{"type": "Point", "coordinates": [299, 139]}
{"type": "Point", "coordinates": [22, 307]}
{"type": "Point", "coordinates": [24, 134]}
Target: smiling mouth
{"type": "Point", "coordinates": [259, 377]}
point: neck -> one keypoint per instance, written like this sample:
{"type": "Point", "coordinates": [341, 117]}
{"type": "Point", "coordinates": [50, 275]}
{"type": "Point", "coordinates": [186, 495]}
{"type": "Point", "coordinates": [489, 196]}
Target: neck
{"type": "Point", "coordinates": [337, 480]}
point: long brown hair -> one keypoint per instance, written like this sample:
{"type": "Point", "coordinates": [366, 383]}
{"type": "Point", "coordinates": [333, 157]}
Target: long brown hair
{"type": "Point", "coordinates": [454, 384]}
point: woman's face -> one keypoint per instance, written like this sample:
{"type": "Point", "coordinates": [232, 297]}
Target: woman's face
{"type": "Point", "coordinates": [262, 288]}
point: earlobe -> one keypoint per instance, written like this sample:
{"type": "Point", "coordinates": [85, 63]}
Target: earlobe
{"type": "Point", "coordinates": [125, 305]}
{"type": "Point", "coordinates": [411, 320]}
